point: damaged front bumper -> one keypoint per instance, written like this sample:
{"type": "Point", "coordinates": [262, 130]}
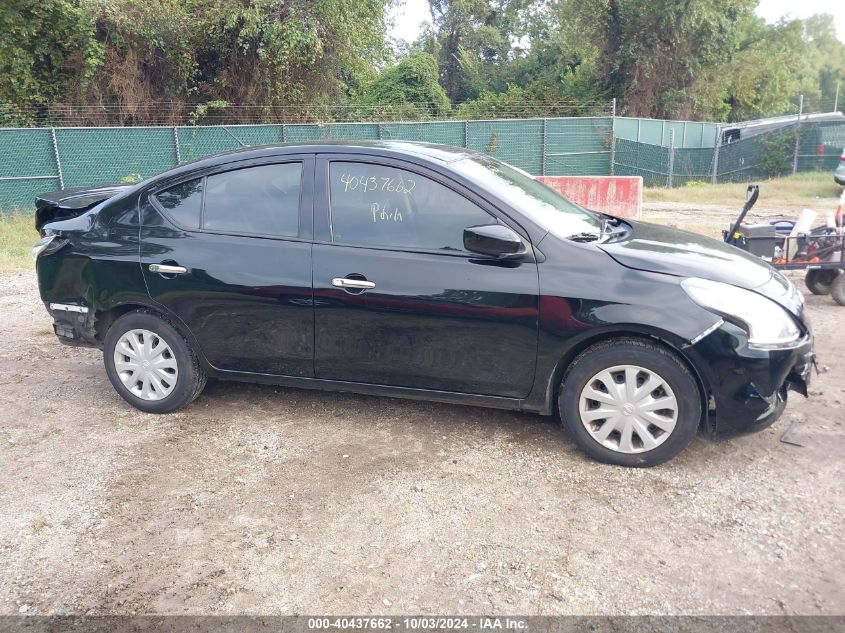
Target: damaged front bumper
{"type": "Point", "coordinates": [749, 385]}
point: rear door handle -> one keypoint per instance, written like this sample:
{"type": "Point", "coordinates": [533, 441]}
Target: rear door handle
{"type": "Point", "coordinates": [167, 269]}
{"type": "Point", "coordinates": [359, 284]}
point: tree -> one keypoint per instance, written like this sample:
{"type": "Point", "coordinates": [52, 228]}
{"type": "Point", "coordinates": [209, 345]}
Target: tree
{"type": "Point", "coordinates": [761, 77]}
{"type": "Point", "coordinates": [288, 51]}
{"type": "Point", "coordinates": [471, 40]}
{"type": "Point", "coordinates": [140, 52]}
{"type": "Point", "coordinates": [46, 50]}
{"type": "Point", "coordinates": [824, 62]}
{"type": "Point", "coordinates": [414, 80]}
{"type": "Point", "coordinates": [650, 52]}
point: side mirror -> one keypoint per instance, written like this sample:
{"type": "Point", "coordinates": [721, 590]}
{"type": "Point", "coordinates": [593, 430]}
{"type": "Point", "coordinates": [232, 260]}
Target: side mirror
{"type": "Point", "coordinates": [494, 239]}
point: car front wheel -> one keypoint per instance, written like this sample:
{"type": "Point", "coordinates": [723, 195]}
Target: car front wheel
{"type": "Point", "coordinates": [150, 364]}
{"type": "Point", "coordinates": [630, 402]}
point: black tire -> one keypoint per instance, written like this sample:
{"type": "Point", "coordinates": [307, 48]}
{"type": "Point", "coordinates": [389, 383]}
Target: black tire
{"type": "Point", "coordinates": [818, 281]}
{"type": "Point", "coordinates": [837, 289]}
{"type": "Point", "coordinates": [190, 380]}
{"type": "Point", "coordinates": [651, 357]}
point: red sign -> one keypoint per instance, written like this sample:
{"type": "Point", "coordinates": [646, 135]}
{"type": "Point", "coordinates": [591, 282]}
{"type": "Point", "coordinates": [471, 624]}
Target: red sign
{"type": "Point", "coordinates": [616, 195]}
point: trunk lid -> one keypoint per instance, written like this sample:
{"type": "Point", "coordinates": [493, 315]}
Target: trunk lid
{"type": "Point", "coordinates": [69, 203]}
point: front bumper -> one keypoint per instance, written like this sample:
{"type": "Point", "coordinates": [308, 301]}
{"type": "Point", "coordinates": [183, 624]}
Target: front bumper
{"type": "Point", "coordinates": [748, 386]}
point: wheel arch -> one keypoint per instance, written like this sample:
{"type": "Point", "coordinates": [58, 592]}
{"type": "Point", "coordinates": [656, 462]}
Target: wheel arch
{"type": "Point", "coordinates": [666, 339]}
{"type": "Point", "coordinates": [104, 318]}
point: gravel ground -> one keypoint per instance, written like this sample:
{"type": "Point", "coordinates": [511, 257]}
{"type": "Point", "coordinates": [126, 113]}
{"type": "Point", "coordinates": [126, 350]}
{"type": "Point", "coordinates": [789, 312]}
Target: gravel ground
{"type": "Point", "coordinates": [280, 501]}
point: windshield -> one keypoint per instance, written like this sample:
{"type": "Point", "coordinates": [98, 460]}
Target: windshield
{"type": "Point", "coordinates": [540, 203]}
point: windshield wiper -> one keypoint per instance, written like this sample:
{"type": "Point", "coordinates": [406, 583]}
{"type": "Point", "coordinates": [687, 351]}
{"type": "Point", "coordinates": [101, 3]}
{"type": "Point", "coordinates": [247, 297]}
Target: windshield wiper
{"type": "Point", "coordinates": [610, 227]}
{"type": "Point", "coordinates": [585, 237]}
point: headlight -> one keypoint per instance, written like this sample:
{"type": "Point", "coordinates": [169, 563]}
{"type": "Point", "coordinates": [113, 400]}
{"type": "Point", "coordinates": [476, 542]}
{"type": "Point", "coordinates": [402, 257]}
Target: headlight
{"type": "Point", "coordinates": [46, 245]}
{"type": "Point", "coordinates": [768, 324]}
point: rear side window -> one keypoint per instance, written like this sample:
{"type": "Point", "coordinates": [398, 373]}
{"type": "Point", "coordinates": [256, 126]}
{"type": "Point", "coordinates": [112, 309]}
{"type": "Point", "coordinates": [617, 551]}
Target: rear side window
{"type": "Point", "coordinates": [183, 202]}
{"type": "Point", "coordinates": [377, 205]}
{"type": "Point", "coordinates": [262, 200]}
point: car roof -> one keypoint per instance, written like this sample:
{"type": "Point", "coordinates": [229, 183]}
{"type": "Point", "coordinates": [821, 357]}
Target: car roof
{"type": "Point", "coordinates": [429, 152]}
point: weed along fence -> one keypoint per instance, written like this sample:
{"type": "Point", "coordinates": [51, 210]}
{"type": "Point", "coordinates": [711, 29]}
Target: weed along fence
{"type": "Point", "coordinates": [663, 153]}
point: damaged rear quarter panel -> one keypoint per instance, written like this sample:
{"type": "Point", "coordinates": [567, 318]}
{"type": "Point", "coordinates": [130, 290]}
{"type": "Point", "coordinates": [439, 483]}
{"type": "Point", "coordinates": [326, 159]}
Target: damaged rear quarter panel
{"type": "Point", "coordinates": [99, 267]}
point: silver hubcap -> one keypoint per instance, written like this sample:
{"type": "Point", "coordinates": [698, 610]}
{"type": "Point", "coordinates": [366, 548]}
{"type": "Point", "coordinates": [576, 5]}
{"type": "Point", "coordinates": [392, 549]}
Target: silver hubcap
{"type": "Point", "coordinates": [145, 364]}
{"type": "Point", "coordinates": [628, 409]}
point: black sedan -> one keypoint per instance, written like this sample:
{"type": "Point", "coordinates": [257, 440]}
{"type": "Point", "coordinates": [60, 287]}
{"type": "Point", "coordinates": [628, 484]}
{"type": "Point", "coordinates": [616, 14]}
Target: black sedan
{"type": "Point", "coordinates": [420, 271]}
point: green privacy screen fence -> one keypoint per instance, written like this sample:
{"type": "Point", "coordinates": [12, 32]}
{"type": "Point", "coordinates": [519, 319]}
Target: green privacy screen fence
{"type": "Point", "coordinates": [664, 153]}
{"type": "Point", "coordinates": [746, 154]}
{"type": "Point", "coordinates": [35, 160]}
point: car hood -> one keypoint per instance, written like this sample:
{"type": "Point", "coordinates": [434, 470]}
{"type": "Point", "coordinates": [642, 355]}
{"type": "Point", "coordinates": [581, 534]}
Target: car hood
{"type": "Point", "coordinates": [661, 249]}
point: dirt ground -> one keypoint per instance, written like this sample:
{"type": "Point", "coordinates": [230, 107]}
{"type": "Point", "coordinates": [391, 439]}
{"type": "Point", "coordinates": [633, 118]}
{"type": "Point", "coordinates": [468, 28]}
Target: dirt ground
{"type": "Point", "coordinates": [280, 501]}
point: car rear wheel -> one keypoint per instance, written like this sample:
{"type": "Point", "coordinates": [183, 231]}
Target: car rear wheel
{"type": "Point", "coordinates": [818, 281]}
{"type": "Point", "coordinates": [150, 364]}
{"type": "Point", "coordinates": [630, 402]}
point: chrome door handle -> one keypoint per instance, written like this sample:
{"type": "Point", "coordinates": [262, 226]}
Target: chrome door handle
{"type": "Point", "coordinates": [166, 269]}
{"type": "Point", "coordinates": [360, 284]}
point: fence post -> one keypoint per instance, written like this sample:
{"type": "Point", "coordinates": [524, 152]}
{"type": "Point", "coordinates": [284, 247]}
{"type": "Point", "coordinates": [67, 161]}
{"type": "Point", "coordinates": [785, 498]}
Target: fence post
{"type": "Point", "coordinates": [798, 134]}
{"type": "Point", "coordinates": [613, 136]}
{"type": "Point", "coordinates": [671, 157]}
{"type": "Point", "coordinates": [176, 145]}
{"type": "Point", "coordinates": [466, 133]}
{"type": "Point", "coordinates": [57, 159]}
{"type": "Point", "coordinates": [718, 144]}
{"type": "Point", "coordinates": [284, 134]}
{"type": "Point", "coordinates": [836, 98]}
{"type": "Point", "coordinates": [545, 142]}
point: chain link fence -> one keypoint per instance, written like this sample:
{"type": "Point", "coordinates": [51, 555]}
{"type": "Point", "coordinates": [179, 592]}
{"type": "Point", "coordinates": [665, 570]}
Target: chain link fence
{"type": "Point", "coordinates": [596, 142]}
{"type": "Point", "coordinates": [739, 153]}
{"type": "Point", "coordinates": [34, 160]}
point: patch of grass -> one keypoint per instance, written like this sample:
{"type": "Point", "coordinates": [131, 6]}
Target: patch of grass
{"type": "Point", "coordinates": [17, 235]}
{"type": "Point", "coordinates": [811, 189]}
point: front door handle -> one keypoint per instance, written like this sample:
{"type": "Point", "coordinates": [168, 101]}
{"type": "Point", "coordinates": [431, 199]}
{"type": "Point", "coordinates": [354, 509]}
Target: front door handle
{"type": "Point", "coordinates": [357, 284]}
{"type": "Point", "coordinates": [167, 269]}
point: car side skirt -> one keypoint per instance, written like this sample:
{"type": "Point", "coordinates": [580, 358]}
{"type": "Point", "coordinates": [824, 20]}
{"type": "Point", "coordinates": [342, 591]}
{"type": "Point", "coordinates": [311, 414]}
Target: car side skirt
{"type": "Point", "coordinates": [408, 393]}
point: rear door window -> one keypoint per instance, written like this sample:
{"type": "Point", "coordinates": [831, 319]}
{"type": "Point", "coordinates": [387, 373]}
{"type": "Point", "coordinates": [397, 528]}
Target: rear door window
{"type": "Point", "coordinates": [261, 200]}
{"type": "Point", "coordinates": [183, 202]}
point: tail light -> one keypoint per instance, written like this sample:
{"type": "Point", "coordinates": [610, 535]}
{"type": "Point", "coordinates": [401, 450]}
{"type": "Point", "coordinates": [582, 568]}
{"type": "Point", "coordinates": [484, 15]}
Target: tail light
{"type": "Point", "coordinates": [47, 245]}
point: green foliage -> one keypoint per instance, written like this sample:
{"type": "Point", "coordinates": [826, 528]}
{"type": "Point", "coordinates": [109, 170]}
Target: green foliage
{"type": "Point", "coordinates": [202, 110]}
{"type": "Point", "coordinates": [514, 102]}
{"type": "Point", "coordinates": [650, 52]}
{"type": "Point", "coordinates": [139, 52]}
{"type": "Point", "coordinates": [693, 59]}
{"type": "Point", "coordinates": [471, 40]}
{"type": "Point", "coordinates": [704, 59]}
{"type": "Point", "coordinates": [47, 49]}
{"type": "Point", "coordinates": [777, 153]}
{"type": "Point", "coordinates": [413, 80]}
{"type": "Point", "coordinates": [131, 179]}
